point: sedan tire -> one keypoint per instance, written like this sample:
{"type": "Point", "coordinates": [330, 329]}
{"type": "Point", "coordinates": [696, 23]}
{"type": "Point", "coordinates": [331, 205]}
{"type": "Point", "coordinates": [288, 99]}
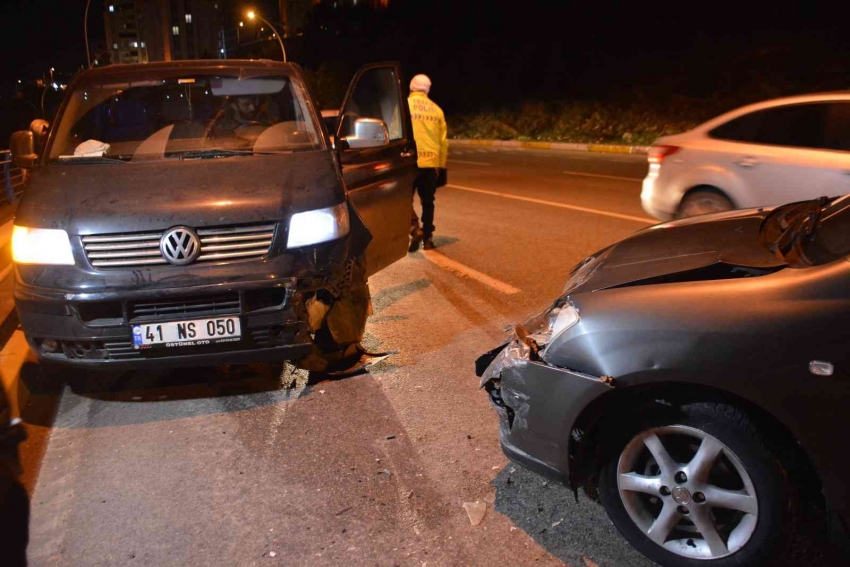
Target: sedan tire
{"type": "Point", "coordinates": [704, 201]}
{"type": "Point", "coordinates": [696, 486]}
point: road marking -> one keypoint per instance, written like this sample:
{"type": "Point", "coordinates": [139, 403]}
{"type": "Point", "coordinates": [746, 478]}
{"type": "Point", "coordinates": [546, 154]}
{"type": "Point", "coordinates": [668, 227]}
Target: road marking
{"type": "Point", "coordinates": [602, 176]}
{"type": "Point", "coordinates": [469, 162]}
{"type": "Point", "coordinates": [555, 204]}
{"type": "Point", "coordinates": [450, 265]}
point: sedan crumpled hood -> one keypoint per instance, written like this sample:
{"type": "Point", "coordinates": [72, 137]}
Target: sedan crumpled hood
{"type": "Point", "coordinates": [717, 246]}
{"type": "Point", "coordinates": [132, 197]}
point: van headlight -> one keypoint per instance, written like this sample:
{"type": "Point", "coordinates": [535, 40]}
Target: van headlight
{"type": "Point", "coordinates": [41, 246]}
{"type": "Point", "coordinates": [320, 225]}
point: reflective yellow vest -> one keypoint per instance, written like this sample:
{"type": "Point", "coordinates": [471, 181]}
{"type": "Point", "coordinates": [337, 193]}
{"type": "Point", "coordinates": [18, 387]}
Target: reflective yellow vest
{"type": "Point", "coordinates": [429, 131]}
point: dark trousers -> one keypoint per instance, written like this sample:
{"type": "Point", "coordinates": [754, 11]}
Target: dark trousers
{"type": "Point", "coordinates": [14, 523]}
{"type": "Point", "coordinates": [426, 185]}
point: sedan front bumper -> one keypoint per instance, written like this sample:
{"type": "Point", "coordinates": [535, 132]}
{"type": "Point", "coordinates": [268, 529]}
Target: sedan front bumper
{"type": "Point", "coordinates": [538, 405]}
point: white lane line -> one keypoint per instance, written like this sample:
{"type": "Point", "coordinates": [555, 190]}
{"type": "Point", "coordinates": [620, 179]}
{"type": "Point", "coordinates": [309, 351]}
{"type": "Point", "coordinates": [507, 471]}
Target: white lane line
{"type": "Point", "coordinates": [450, 265]}
{"type": "Point", "coordinates": [554, 204]}
{"type": "Point", "coordinates": [469, 162]}
{"type": "Point", "coordinates": [581, 174]}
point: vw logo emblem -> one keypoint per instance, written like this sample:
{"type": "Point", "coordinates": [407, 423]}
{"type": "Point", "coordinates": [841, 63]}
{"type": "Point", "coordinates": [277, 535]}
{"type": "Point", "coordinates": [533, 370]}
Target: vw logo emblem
{"type": "Point", "coordinates": [180, 246]}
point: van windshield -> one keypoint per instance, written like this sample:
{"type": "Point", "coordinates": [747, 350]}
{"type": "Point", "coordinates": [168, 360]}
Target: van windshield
{"type": "Point", "coordinates": [193, 117]}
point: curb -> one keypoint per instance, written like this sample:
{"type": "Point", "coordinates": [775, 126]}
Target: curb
{"type": "Point", "coordinates": [558, 146]}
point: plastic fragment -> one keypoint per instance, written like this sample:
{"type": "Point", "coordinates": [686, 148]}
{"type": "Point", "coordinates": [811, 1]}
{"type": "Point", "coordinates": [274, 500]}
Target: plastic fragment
{"type": "Point", "coordinates": [272, 554]}
{"type": "Point", "coordinates": [476, 511]}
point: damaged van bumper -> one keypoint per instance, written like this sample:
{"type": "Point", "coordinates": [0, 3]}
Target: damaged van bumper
{"type": "Point", "coordinates": [537, 404]}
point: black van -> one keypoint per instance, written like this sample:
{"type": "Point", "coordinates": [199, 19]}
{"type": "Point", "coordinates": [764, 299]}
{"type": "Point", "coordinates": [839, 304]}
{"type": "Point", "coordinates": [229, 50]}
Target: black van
{"type": "Point", "coordinates": [198, 212]}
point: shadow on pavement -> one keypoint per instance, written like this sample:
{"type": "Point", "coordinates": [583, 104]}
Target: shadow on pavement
{"type": "Point", "coordinates": [569, 530]}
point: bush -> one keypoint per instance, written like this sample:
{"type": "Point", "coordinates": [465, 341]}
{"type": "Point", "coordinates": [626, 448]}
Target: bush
{"type": "Point", "coordinates": [581, 122]}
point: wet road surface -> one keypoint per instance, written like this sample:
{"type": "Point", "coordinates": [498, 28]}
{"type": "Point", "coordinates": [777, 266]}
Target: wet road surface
{"type": "Point", "coordinates": [227, 466]}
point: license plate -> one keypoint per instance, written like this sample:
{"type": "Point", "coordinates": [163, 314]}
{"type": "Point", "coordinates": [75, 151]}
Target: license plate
{"type": "Point", "coordinates": [196, 332]}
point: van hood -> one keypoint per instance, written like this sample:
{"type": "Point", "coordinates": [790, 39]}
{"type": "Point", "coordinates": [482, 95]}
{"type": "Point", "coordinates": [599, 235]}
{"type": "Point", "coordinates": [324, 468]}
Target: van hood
{"type": "Point", "coordinates": [128, 197]}
{"type": "Point", "coordinates": [709, 247]}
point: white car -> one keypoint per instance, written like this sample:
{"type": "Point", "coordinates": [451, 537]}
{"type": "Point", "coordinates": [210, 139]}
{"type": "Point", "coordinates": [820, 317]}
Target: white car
{"type": "Point", "coordinates": [764, 154]}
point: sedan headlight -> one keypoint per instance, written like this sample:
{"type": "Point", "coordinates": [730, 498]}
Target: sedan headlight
{"type": "Point", "coordinates": [562, 317]}
{"type": "Point", "coordinates": [320, 225]}
{"type": "Point", "coordinates": [41, 246]}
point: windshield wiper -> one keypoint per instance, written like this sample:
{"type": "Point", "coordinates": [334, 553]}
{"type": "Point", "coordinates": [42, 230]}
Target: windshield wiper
{"type": "Point", "coordinates": [803, 227]}
{"type": "Point", "coordinates": [88, 160]}
{"type": "Point", "coordinates": [209, 154]}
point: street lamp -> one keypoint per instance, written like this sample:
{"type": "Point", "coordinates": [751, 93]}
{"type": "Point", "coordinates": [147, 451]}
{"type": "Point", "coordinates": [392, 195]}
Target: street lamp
{"type": "Point", "coordinates": [251, 15]}
{"type": "Point", "coordinates": [86, 32]}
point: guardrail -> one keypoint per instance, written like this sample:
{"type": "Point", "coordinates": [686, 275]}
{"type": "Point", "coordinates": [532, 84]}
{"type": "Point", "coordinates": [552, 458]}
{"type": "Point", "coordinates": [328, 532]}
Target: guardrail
{"type": "Point", "coordinates": [14, 180]}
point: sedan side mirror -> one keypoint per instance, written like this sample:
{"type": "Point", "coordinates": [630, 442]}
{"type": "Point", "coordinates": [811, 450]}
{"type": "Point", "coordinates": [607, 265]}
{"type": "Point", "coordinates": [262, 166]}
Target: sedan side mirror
{"type": "Point", "coordinates": [22, 148]}
{"type": "Point", "coordinates": [369, 133]}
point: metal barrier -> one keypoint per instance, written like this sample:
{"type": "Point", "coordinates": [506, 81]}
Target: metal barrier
{"type": "Point", "coordinates": [14, 180]}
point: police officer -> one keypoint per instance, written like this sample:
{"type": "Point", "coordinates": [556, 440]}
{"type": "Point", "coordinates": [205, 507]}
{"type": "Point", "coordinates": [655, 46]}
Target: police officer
{"type": "Point", "coordinates": [432, 147]}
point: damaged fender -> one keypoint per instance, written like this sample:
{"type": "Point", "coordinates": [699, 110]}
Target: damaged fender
{"type": "Point", "coordinates": [537, 405]}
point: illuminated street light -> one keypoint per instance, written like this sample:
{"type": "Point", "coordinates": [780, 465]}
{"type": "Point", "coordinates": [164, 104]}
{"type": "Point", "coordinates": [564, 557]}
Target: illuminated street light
{"type": "Point", "coordinates": [251, 15]}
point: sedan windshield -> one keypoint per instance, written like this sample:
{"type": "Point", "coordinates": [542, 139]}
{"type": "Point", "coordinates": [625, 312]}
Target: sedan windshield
{"type": "Point", "coordinates": [192, 117]}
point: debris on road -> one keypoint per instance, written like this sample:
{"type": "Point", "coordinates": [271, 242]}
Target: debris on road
{"type": "Point", "coordinates": [558, 523]}
{"type": "Point", "coordinates": [321, 391]}
{"type": "Point", "coordinates": [476, 511]}
{"type": "Point", "coordinates": [343, 511]}
{"type": "Point", "coordinates": [272, 554]}
{"type": "Point", "coordinates": [385, 471]}
{"type": "Point", "coordinates": [390, 438]}
{"type": "Point", "coordinates": [588, 562]}
{"type": "Point", "coordinates": [514, 528]}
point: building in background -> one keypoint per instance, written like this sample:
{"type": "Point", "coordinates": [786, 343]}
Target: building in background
{"type": "Point", "coordinates": [142, 31]}
{"type": "Point", "coordinates": [294, 15]}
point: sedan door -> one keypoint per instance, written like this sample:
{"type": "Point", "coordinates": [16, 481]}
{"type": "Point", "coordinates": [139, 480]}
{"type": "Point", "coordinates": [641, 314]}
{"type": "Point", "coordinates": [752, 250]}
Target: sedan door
{"type": "Point", "coordinates": [374, 141]}
{"type": "Point", "coordinates": [790, 153]}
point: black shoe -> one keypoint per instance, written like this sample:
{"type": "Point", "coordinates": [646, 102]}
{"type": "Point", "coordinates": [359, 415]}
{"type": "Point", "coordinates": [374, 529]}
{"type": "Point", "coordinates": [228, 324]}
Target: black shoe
{"type": "Point", "coordinates": [428, 244]}
{"type": "Point", "coordinates": [415, 240]}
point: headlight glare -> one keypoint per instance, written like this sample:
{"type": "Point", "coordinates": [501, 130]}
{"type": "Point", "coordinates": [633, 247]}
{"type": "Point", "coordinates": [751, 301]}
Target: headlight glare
{"type": "Point", "coordinates": [41, 246]}
{"type": "Point", "coordinates": [320, 225]}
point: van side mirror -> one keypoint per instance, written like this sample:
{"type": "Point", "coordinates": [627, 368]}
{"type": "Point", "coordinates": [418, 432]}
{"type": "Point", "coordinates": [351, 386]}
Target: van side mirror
{"type": "Point", "coordinates": [39, 128]}
{"type": "Point", "coordinates": [369, 133]}
{"type": "Point", "coordinates": [22, 148]}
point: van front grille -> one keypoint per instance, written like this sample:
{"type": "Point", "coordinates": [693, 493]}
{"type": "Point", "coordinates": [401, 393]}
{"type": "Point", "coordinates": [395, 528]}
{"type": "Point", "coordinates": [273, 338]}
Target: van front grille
{"type": "Point", "coordinates": [184, 307]}
{"type": "Point", "coordinates": [142, 249]}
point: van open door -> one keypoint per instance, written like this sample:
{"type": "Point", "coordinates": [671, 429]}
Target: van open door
{"type": "Point", "coordinates": [374, 139]}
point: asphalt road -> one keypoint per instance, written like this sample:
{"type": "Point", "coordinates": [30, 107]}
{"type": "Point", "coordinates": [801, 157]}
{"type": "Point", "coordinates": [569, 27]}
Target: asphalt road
{"type": "Point", "coordinates": [223, 466]}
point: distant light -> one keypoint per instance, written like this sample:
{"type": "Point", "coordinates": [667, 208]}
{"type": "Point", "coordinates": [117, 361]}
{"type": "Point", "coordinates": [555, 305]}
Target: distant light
{"type": "Point", "coordinates": [114, 46]}
{"type": "Point", "coordinates": [19, 81]}
{"type": "Point", "coordinates": [251, 15]}
{"type": "Point", "coordinates": [175, 30]}
{"type": "Point", "coordinates": [188, 18]}
{"type": "Point", "coordinates": [55, 87]}
{"type": "Point", "coordinates": [168, 97]}
{"type": "Point", "coordinates": [262, 29]}
{"type": "Point", "coordinates": [136, 44]}
{"type": "Point", "coordinates": [241, 24]}
{"type": "Point", "coordinates": [52, 69]}
{"type": "Point", "coordinates": [111, 8]}
{"type": "Point", "coordinates": [143, 45]}
{"type": "Point", "coordinates": [222, 50]}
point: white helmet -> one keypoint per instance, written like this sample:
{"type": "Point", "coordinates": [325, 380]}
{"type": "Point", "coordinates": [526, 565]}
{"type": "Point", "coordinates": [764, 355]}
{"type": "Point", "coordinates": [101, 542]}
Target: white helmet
{"type": "Point", "coordinates": [420, 83]}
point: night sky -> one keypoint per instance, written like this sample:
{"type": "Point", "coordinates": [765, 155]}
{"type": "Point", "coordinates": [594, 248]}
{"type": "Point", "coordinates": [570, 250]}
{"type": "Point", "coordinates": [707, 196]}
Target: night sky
{"type": "Point", "coordinates": [611, 44]}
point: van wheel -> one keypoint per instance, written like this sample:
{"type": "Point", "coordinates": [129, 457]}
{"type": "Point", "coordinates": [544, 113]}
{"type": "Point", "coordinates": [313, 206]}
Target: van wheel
{"type": "Point", "coordinates": [696, 486]}
{"type": "Point", "coordinates": [337, 342]}
{"type": "Point", "coordinates": [704, 201]}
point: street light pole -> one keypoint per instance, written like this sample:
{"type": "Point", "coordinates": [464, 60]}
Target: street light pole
{"type": "Point", "coordinates": [251, 16]}
{"type": "Point", "coordinates": [86, 32]}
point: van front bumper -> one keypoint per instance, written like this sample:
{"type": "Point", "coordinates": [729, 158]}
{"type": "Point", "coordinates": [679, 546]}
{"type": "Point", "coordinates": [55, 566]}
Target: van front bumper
{"type": "Point", "coordinates": [94, 330]}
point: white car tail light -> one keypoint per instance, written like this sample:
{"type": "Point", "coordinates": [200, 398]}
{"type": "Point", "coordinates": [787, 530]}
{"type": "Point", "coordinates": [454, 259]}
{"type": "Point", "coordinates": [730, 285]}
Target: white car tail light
{"type": "Point", "coordinates": [658, 153]}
